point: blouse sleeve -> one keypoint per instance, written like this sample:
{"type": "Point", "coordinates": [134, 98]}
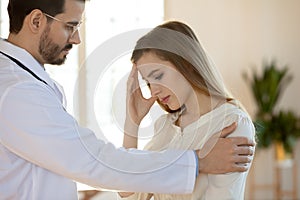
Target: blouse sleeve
{"type": "Point", "coordinates": [137, 196]}
{"type": "Point", "coordinates": [231, 185]}
{"type": "Point", "coordinates": [131, 197]}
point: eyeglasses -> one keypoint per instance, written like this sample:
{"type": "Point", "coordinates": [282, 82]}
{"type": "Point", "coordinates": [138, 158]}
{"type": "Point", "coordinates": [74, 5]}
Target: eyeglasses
{"type": "Point", "coordinates": [71, 27]}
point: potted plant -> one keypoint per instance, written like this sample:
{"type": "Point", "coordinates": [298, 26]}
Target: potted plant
{"type": "Point", "coordinates": [280, 128]}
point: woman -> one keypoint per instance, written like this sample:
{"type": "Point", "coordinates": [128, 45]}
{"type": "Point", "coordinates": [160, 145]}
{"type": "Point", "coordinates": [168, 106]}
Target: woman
{"type": "Point", "coordinates": [186, 84]}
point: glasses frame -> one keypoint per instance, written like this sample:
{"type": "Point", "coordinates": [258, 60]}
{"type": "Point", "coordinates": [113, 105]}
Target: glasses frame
{"type": "Point", "coordinates": [75, 28]}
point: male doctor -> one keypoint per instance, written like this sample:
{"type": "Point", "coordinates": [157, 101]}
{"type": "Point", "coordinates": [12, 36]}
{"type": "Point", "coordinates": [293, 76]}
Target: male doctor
{"type": "Point", "coordinates": [42, 148]}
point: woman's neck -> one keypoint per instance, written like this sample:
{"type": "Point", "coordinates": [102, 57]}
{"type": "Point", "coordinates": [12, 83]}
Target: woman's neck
{"type": "Point", "coordinates": [197, 107]}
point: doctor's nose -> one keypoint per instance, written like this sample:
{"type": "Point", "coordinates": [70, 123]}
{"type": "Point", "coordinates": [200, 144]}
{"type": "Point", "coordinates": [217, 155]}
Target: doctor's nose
{"type": "Point", "coordinates": [75, 38]}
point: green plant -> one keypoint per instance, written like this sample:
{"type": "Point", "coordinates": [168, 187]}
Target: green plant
{"type": "Point", "coordinates": [272, 126]}
{"type": "Point", "coordinates": [268, 87]}
{"type": "Point", "coordinates": [283, 127]}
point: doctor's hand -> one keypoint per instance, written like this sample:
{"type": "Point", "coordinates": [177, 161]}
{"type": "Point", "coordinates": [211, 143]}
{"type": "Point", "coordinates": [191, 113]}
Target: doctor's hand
{"type": "Point", "coordinates": [227, 155]}
{"type": "Point", "coordinates": [137, 106]}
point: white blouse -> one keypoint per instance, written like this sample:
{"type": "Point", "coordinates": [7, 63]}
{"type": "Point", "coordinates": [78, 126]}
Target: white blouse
{"type": "Point", "coordinates": [194, 136]}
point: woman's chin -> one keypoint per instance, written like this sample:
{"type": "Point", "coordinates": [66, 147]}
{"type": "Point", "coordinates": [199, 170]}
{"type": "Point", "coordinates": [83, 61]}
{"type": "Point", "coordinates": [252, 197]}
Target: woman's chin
{"type": "Point", "coordinates": [176, 108]}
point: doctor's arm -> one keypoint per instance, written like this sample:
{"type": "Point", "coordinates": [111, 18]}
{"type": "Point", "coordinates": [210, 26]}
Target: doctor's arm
{"type": "Point", "coordinates": [41, 132]}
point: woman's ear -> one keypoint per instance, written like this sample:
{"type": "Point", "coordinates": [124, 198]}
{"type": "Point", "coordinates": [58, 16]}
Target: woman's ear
{"type": "Point", "coordinates": [36, 21]}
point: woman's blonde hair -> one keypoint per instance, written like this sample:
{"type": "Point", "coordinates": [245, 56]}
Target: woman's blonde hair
{"type": "Point", "coordinates": [176, 42]}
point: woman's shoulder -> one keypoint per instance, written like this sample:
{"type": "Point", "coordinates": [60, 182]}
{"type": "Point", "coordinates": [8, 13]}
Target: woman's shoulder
{"type": "Point", "coordinates": [230, 110]}
{"type": "Point", "coordinates": [245, 124]}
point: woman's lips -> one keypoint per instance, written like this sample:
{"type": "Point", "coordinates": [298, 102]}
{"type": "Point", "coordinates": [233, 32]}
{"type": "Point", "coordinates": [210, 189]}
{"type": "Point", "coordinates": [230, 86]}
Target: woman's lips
{"type": "Point", "coordinates": [165, 99]}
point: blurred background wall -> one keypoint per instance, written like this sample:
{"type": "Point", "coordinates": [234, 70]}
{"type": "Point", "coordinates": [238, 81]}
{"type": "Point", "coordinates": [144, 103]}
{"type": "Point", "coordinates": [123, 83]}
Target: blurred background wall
{"type": "Point", "coordinates": [240, 34]}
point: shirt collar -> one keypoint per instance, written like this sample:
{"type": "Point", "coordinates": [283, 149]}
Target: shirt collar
{"type": "Point", "coordinates": [26, 59]}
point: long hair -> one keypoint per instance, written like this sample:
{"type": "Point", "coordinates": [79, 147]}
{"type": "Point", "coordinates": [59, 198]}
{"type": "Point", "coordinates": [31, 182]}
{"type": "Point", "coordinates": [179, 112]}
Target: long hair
{"type": "Point", "coordinates": [176, 42]}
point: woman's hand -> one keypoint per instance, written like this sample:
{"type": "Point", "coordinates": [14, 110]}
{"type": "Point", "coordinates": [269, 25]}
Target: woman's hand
{"type": "Point", "coordinates": [137, 106]}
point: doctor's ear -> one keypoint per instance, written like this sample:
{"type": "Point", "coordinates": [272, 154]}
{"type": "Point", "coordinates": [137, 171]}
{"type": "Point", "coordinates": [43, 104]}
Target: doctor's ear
{"type": "Point", "coordinates": [35, 20]}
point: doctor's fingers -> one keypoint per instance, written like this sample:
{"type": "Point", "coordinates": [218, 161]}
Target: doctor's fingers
{"type": "Point", "coordinates": [242, 141]}
{"type": "Point", "coordinates": [240, 163]}
{"type": "Point", "coordinates": [244, 150]}
{"type": "Point", "coordinates": [240, 167]}
{"type": "Point", "coordinates": [242, 159]}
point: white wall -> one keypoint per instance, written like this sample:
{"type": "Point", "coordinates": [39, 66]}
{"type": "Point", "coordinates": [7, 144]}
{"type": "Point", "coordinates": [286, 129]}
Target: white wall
{"type": "Point", "coordinates": [239, 35]}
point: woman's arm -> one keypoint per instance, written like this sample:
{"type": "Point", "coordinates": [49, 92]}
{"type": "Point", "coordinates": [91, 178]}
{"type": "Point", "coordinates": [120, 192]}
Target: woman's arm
{"type": "Point", "coordinates": [136, 109]}
{"type": "Point", "coordinates": [130, 138]}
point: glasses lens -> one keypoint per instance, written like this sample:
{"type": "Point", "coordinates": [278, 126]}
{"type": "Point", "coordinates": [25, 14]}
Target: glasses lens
{"type": "Point", "coordinates": [75, 29]}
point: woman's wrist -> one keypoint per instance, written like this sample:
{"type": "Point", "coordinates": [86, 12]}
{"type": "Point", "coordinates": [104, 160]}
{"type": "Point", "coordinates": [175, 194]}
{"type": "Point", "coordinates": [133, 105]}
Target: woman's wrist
{"type": "Point", "coordinates": [131, 128]}
{"type": "Point", "coordinates": [130, 139]}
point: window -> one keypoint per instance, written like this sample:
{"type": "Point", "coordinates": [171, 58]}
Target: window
{"type": "Point", "coordinates": [4, 23]}
{"type": "Point", "coordinates": [110, 25]}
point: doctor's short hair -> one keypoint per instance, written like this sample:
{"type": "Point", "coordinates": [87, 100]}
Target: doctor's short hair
{"type": "Point", "coordinates": [19, 9]}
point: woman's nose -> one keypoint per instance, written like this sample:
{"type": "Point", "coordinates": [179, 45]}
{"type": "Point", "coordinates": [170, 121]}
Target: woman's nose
{"type": "Point", "coordinates": [155, 90]}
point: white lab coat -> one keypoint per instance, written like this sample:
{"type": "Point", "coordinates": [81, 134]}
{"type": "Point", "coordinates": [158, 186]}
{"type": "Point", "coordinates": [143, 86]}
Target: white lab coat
{"type": "Point", "coordinates": [43, 150]}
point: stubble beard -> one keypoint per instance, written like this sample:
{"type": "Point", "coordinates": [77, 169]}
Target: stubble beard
{"type": "Point", "coordinates": [49, 50]}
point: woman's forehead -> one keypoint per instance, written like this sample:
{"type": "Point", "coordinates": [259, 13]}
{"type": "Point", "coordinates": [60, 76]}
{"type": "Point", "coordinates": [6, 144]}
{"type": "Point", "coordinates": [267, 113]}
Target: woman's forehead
{"type": "Point", "coordinates": [150, 60]}
{"type": "Point", "coordinates": [147, 58]}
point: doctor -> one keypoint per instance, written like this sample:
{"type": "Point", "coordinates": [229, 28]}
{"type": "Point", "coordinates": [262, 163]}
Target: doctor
{"type": "Point", "coordinates": [42, 148]}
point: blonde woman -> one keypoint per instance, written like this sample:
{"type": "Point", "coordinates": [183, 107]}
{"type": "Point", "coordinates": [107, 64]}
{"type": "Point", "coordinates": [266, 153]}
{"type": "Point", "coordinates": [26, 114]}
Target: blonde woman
{"type": "Point", "coordinates": [186, 84]}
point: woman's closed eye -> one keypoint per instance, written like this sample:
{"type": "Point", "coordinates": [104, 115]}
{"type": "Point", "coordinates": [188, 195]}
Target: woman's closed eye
{"type": "Point", "coordinates": [159, 77]}
{"type": "Point", "coordinates": [156, 77]}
